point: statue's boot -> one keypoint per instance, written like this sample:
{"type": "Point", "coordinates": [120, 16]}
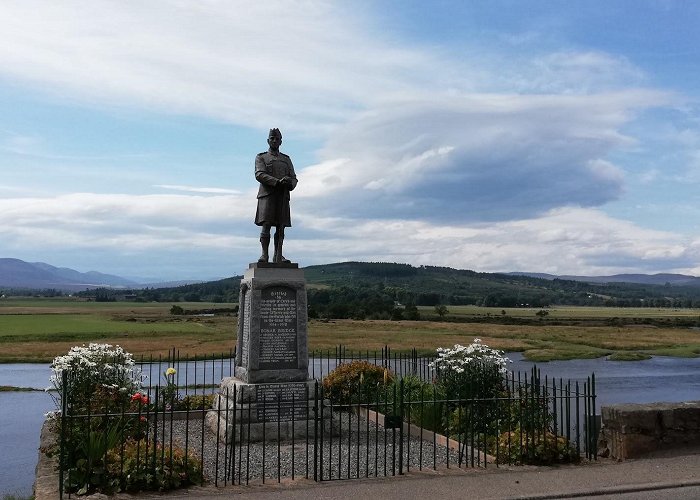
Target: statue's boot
{"type": "Point", "coordinates": [265, 242]}
{"type": "Point", "coordinates": [278, 257]}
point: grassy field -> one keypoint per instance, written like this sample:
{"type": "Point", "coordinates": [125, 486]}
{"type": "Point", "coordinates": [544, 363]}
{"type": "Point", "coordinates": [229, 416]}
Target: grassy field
{"type": "Point", "coordinates": [538, 343]}
{"type": "Point", "coordinates": [39, 329]}
{"type": "Point", "coordinates": [570, 312]}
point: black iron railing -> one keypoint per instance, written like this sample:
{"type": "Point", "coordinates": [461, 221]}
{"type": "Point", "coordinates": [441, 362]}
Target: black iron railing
{"type": "Point", "coordinates": [184, 431]}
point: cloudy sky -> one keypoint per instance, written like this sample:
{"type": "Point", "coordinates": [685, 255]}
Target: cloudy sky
{"type": "Point", "coordinates": [503, 135]}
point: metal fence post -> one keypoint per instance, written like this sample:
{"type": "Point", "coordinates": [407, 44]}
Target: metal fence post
{"type": "Point", "coordinates": [401, 414]}
{"type": "Point", "coordinates": [594, 434]}
{"type": "Point", "coordinates": [316, 430]}
{"type": "Point", "coordinates": [62, 444]}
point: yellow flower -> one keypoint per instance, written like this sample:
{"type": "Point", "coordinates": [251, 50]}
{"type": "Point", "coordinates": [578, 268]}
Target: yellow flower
{"type": "Point", "coordinates": [170, 371]}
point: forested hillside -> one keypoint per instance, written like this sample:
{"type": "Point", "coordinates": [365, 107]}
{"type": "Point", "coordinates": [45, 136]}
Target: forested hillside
{"type": "Point", "coordinates": [365, 290]}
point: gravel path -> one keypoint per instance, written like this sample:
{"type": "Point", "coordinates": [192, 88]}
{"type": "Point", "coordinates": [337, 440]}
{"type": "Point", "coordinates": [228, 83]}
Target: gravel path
{"type": "Point", "coordinates": [367, 451]}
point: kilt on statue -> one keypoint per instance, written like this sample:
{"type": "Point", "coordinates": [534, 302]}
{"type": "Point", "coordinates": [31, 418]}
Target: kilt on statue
{"type": "Point", "coordinates": [275, 173]}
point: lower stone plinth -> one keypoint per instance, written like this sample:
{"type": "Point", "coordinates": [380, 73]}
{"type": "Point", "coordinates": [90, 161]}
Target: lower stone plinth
{"type": "Point", "coordinates": [269, 411]}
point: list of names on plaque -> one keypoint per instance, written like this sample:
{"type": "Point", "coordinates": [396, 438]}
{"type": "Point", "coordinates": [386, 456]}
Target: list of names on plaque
{"type": "Point", "coordinates": [282, 402]}
{"type": "Point", "coordinates": [290, 391]}
{"type": "Point", "coordinates": [278, 328]}
{"type": "Point", "coordinates": [284, 411]}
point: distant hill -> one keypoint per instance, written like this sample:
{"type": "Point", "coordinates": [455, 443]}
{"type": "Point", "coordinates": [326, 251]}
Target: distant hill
{"type": "Point", "coordinates": [348, 288]}
{"type": "Point", "coordinates": [16, 273]}
{"type": "Point", "coordinates": [170, 284]}
{"type": "Point", "coordinates": [645, 279]}
{"type": "Point", "coordinates": [429, 285]}
{"type": "Point", "coordinates": [379, 290]}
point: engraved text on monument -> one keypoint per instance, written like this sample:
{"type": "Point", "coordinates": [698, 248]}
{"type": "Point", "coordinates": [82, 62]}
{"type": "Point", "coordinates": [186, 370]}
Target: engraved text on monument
{"type": "Point", "coordinates": [278, 329]}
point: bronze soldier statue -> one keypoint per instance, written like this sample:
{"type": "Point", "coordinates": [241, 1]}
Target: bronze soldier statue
{"type": "Point", "coordinates": [275, 173]}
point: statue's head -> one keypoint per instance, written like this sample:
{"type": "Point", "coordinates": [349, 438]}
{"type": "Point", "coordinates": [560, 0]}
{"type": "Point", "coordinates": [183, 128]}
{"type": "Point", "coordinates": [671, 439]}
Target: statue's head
{"type": "Point", "coordinates": [274, 139]}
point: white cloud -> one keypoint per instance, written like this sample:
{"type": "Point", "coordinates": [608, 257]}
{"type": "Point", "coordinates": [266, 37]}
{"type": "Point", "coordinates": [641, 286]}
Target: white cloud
{"type": "Point", "coordinates": [305, 66]}
{"type": "Point", "coordinates": [407, 139]}
{"type": "Point", "coordinates": [78, 214]}
{"type": "Point", "coordinates": [187, 228]}
{"type": "Point", "coordinates": [564, 241]}
{"type": "Point", "coordinates": [420, 151]}
{"type": "Point", "coordinates": [475, 157]}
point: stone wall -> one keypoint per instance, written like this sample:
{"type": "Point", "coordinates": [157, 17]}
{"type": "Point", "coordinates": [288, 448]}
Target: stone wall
{"type": "Point", "coordinates": [46, 479]}
{"type": "Point", "coordinates": [634, 430]}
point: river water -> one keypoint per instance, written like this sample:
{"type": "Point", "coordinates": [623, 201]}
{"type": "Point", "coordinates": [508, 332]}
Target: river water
{"type": "Point", "coordinates": [22, 413]}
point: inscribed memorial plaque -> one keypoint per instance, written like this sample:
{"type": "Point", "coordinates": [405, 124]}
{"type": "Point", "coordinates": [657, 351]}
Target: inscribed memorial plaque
{"type": "Point", "coordinates": [281, 401]}
{"type": "Point", "coordinates": [278, 329]}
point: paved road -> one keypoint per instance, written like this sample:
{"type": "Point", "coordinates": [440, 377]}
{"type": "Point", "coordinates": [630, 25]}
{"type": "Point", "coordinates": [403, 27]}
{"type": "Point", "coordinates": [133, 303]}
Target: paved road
{"type": "Point", "coordinates": [661, 477]}
{"type": "Point", "coordinates": [658, 478]}
{"type": "Point", "coordinates": [690, 493]}
{"type": "Point", "coordinates": [666, 476]}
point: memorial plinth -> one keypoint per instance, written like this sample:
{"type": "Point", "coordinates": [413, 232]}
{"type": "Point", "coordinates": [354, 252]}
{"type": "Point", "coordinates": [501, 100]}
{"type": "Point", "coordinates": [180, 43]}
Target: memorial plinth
{"type": "Point", "coordinates": [272, 325]}
{"type": "Point", "coordinates": [269, 412]}
{"type": "Point", "coordinates": [271, 396]}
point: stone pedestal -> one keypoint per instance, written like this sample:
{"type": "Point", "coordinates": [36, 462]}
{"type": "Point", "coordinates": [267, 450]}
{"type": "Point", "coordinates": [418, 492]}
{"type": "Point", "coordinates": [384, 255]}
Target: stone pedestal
{"type": "Point", "coordinates": [272, 325]}
{"type": "Point", "coordinates": [271, 396]}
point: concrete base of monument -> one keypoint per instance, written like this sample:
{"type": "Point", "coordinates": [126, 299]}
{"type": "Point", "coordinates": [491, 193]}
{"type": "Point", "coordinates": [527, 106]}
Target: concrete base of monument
{"type": "Point", "coordinates": [245, 411]}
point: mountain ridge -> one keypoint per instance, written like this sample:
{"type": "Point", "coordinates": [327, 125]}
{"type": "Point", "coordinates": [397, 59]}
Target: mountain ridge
{"type": "Point", "coordinates": [16, 273]}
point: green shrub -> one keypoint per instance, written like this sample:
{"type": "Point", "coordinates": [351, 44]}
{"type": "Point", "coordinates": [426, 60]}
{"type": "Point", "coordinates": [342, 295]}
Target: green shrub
{"type": "Point", "coordinates": [103, 434]}
{"type": "Point", "coordinates": [538, 448]}
{"type": "Point", "coordinates": [472, 379]}
{"type": "Point", "coordinates": [358, 381]}
{"type": "Point", "coordinates": [88, 469]}
{"type": "Point", "coordinates": [528, 408]}
{"type": "Point", "coordinates": [88, 440]}
{"type": "Point", "coordinates": [141, 467]}
{"type": "Point", "coordinates": [177, 310]}
{"type": "Point", "coordinates": [424, 403]}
